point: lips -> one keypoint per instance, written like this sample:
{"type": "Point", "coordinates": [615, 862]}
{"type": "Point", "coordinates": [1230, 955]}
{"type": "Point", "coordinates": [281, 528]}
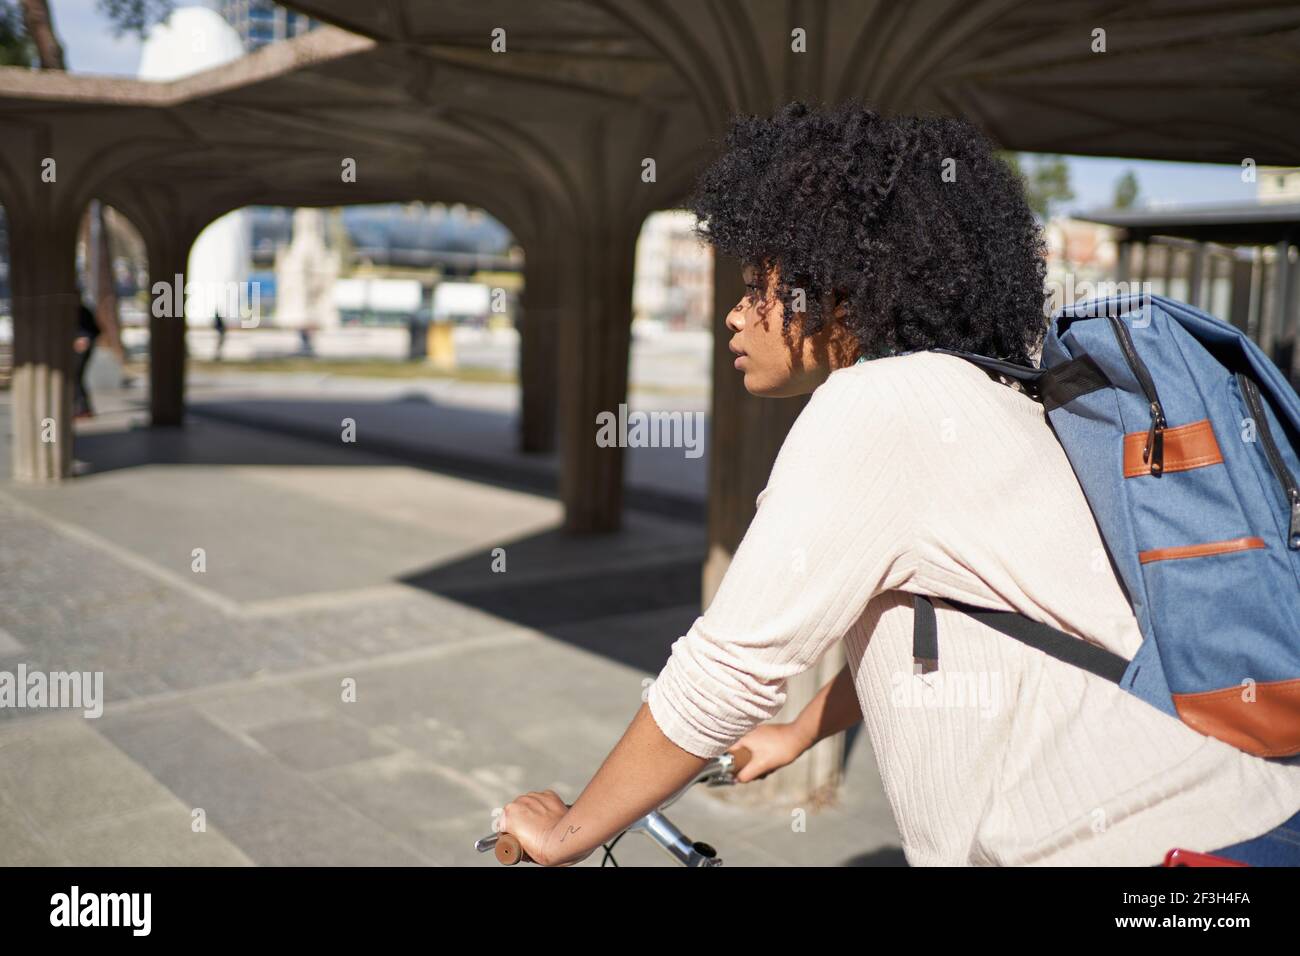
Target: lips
{"type": "Point", "coordinates": [740, 355]}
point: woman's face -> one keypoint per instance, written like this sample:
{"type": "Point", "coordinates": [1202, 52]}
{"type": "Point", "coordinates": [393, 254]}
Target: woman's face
{"type": "Point", "coordinates": [779, 364]}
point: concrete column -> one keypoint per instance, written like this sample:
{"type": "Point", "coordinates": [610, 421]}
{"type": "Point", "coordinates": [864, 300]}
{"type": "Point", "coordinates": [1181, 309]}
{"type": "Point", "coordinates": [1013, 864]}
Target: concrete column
{"type": "Point", "coordinates": [1279, 327]}
{"type": "Point", "coordinates": [168, 259]}
{"type": "Point", "coordinates": [1196, 275]}
{"type": "Point", "coordinates": [42, 252]}
{"type": "Point", "coordinates": [1141, 263]}
{"type": "Point", "coordinates": [1170, 257]}
{"type": "Point", "coordinates": [539, 358]}
{"type": "Point", "coordinates": [1123, 259]}
{"type": "Point", "coordinates": [1243, 278]}
{"type": "Point", "coordinates": [745, 434]}
{"type": "Point", "coordinates": [1211, 276]}
{"type": "Point", "coordinates": [595, 333]}
{"type": "Point", "coordinates": [1293, 325]}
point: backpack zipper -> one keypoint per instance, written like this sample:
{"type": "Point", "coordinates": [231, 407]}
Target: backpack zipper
{"type": "Point", "coordinates": [1255, 405]}
{"type": "Point", "coordinates": [1153, 452]}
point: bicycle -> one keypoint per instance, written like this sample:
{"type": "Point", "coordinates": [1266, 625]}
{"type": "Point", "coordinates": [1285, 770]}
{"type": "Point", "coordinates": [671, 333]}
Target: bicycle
{"type": "Point", "coordinates": [718, 772]}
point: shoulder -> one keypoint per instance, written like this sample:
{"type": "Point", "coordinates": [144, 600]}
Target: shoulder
{"type": "Point", "coordinates": [902, 385]}
{"type": "Point", "coordinates": [924, 384]}
{"type": "Point", "coordinates": [900, 371]}
{"type": "Point", "coordinates": [865, 413]}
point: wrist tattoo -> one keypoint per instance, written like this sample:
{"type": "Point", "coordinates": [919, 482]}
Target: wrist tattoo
{"type": "Point", "coordinates": [571, 830]}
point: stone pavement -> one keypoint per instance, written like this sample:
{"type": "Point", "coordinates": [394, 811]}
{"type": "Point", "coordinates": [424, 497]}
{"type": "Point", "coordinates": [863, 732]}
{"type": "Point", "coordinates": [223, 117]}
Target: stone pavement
{"type": "Point", "coordinates": [330, 566]}
{"type": "Point", "coordinates": [464, 428]}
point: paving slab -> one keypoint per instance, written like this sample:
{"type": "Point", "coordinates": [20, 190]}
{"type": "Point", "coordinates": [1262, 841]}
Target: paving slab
{"type": "Point", "coordinates": [350, 681]}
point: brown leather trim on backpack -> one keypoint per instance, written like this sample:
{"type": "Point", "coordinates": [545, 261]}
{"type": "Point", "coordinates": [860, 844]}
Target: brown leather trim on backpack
{"type": "Point", "coordinates": [1186, 447]}
{"type": "Point", "coordinates": [1267, 725]}
{"type": "Point", "coordinates": [1200, 550]}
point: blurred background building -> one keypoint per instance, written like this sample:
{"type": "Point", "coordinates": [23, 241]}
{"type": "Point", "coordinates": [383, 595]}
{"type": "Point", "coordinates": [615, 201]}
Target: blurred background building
{"type": "Point", "coordinates": [259, 22]}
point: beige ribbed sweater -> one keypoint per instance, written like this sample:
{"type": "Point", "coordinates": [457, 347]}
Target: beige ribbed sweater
{"type": "Point", "coordinates": [920, 474]}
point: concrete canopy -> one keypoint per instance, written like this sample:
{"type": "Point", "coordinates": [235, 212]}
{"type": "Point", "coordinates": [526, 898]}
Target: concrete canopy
{"type": "Point", "coordinates": [273, 127]}
{"type": "Point", "coordinates": [1258, 224]}
{"type": "Point", "coordinates": [1194, 80]}
{"type": "Point", "coordinates": [562, 167]}
{"type": "Point", "coordinates": [550, 136]}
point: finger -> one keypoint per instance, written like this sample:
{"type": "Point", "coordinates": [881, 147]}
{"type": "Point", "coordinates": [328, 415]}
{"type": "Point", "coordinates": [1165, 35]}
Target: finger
{"type": "Point", "coordinates": [513, 811]}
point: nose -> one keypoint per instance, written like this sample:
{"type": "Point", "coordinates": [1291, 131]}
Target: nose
{"type": "Point", "coordinates": [736, 317]}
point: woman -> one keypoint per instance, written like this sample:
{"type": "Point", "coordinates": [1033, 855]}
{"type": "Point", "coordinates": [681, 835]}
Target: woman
{"type": "Point", "coordinates": [866, 241]}
{"type": "Point", "coordinates": [84, 345]}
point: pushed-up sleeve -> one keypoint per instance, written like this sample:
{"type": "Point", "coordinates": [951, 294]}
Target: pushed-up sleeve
{"type": "Point", "coordinates": [833, 529]}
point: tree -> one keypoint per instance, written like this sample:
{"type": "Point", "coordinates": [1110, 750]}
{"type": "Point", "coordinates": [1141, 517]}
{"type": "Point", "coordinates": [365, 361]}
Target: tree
{"type": "Point", "coordinates": [1126, 190]}
{"type": "Point", "coordinates": [127, 16]}
{"type": "Point", "coordinates": [15, 48]}
{"type": "Point", "coordinates": [135, 16]}
{"type": "Point", "coordinates": [1046, 179]}
{"type": "Point", "coordinates": [40, 30]}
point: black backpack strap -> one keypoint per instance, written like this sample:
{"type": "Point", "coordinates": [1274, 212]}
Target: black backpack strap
{"type": "Point", "coordinates": [925, 636]}
{"type": "Point", "coordinates": [1054, 386]}
{"type": "Point", "coordinates": [1027, 375]}
{"type": "Point", "coordinates": [1052, 642]}
{"type": "Point", "coordinates": [1067, 381]}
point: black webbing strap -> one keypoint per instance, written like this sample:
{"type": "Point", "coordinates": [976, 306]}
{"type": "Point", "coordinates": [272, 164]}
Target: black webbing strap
{"type": "Point", "coordinates": [1027, 375]}
{"type": "Point", "coordinates": [1054, 386]}
{"type": "Point", "coordinates": [1067, 381]}
{"type": "Point", "coordinates": [925, 636]}
{"type": "Point", "coordinates": [1058, 644]}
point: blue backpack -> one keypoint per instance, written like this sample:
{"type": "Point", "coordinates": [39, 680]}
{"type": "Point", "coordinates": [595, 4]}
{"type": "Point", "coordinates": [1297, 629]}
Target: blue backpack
{"type": "Point", "coordinates": [1184, 438]}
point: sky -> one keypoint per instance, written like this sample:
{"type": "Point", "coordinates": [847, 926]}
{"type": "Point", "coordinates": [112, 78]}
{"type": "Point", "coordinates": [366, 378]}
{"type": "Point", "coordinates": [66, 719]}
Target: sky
{"type": "Point", "coordinates": [88, 42]}
{"type": "Point", "coordinates": [90, 47]}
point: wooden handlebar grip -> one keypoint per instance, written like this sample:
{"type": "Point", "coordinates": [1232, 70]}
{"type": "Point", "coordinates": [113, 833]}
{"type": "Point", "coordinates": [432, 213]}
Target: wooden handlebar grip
{"type": "Point", "coordinates": [739, 757]}
{"type": "Point", "coordinates": [509, 852]}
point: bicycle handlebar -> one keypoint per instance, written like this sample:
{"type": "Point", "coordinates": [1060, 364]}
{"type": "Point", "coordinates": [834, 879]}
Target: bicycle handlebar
{"type": "Point", "coordinates": [739, 758]}
{"type": "Point", "coordinates": [509, 851]}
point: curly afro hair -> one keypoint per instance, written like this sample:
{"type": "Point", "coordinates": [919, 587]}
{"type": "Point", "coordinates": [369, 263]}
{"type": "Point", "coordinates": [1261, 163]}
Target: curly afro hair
{"type": "Point", "coordinates": [853, 208]}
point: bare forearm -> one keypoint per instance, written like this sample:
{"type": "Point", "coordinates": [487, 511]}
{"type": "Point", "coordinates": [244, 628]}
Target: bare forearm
{"type": "Point", "coordinates": [835, 708]}
{"type": "Point", "coordinates": [643, 770]}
